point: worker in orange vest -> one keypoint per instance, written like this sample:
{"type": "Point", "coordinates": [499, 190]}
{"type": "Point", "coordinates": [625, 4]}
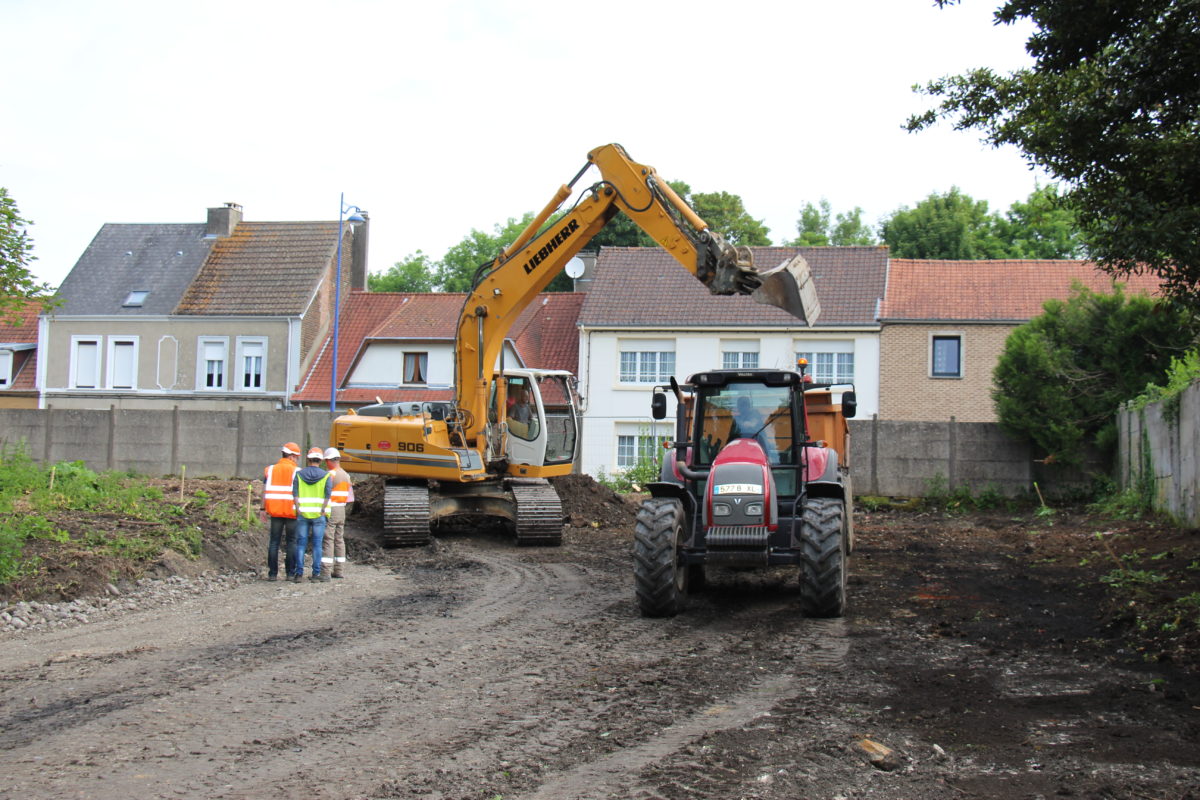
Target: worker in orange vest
{"type": "Point", "coordinates": [333, 554]}
{"type": "Point", "coordinates": [279, 508]}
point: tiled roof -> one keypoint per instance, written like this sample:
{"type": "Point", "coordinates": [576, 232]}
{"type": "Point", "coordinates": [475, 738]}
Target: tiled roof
{"type": "Point", "coordinates": [26, 328]}
{"type": "Point", "coordinates": [22, 335]}
{"type": "Point", "coordinates": [635, 286]}
{"type": "Point", "coordinates": [264, 268]}
{"type": "Point", "coordinates": [991, 290]}
{"type": "Point", "coordinates": [544, 335]}
{"type": "Point", "coordinates": [158, 259]}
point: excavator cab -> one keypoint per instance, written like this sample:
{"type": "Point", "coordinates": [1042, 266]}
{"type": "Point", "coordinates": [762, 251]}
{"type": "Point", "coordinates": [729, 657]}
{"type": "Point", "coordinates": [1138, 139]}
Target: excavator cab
{"type": "Point", "coordinates": [540, 418]}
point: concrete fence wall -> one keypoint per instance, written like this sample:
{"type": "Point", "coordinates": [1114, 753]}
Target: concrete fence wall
{"type": "Point", "coordinates": [893, 458]}
{"type": "Point", "coordinates": [888, 458]}
{"type": "Point", "coordinates": [223, 444]}
{"type": "Point", "coordinates": [1158, 446]}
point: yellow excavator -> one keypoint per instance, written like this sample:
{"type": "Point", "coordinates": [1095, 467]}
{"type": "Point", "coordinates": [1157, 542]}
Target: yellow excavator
{"type": "Point", "coordinates": [490, 450]}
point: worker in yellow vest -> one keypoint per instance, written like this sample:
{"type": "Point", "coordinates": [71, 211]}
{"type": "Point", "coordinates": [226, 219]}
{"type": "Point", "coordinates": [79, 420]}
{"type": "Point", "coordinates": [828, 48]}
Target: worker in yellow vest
{"type": "Point", "coordinates": [311, 492]}
{"type": "Point", "coordinates": [280, 509]}
{"type": "Point", "coordinates": [333, 554]}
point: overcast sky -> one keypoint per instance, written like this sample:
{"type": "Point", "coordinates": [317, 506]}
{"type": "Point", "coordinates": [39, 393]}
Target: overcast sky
{"type": "Point", "coordinates": [440, 117]}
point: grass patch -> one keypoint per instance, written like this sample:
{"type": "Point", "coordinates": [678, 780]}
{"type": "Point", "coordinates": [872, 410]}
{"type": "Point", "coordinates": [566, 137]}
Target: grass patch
{"type": "Point", "coordinates": [69, 509]}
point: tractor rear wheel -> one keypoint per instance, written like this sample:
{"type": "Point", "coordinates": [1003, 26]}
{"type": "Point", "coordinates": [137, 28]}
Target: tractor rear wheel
{"type": "Point", "coordinates": [660, 581]}
{"type": "Point", "coordinates": [823, 558]}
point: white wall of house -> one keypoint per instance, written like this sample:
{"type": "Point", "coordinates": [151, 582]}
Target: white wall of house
{"type": "Point", "coordinates": [617, 389]}
{"type": "Point", "coordinates": [382, 363]}
{"type": "Point", "coordinates": [159, 362]}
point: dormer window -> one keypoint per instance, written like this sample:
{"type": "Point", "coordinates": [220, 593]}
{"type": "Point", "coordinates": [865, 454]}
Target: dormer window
{"type": "Point", "coordinates": [135, 299]}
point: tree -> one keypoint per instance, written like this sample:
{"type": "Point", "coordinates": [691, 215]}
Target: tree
{"type": "Point", "coordinates": [814, 227]}
{"type": "Point", "coordinates": [1063, 374]}
{"type": "Point", "coordinates": [456, 270]}
{"type": "Point", "coordinates": [723, 212]}
{"type": "Point", "coordinates": [1111, 107]}
{"type": "Point", "coordinates": [416, 273]}
{"type": "Point", "coordinates": [1041, 227]}
{"type": "Point", "coordinates": [726, 215]}
{"type": "Point", "coordinates": [17, 284]}
{"type": "Point", "coordinates": [950, 225]}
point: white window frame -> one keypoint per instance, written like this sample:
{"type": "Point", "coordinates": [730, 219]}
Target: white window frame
{"type": "Point", "coordinates": [76, 361]}
{"type": "Point", "coordinates": [842, 351]}
{"type": "Point", "coordinates": [739, 353]}
{"type": "Point", "coordinates": [244, 342]}
{"type": "Point", "coordinates": [202, 363]}
{"type": "Point", "coordinates": [934, 337]}
{"type": "Point", "coordinates": [630, 444]}
{"type": "Point", "coordinates": [649, 361]}
{"type": "Point", "coordinates": [6, 368]}
{"type": "Point", "coordinates": [110, 374]}
{"type": "Point", "coordinates": [422, 357]}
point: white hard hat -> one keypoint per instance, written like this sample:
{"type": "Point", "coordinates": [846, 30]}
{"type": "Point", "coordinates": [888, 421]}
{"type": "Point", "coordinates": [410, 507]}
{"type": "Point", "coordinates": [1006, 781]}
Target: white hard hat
{"type": "Point", "coordinates": [332, 453]}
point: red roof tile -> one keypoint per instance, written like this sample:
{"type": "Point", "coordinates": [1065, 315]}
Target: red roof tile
{"type": "Point", "coordinates": [544, 334]}
{"type": "Point", "coordinates": [999, 290]}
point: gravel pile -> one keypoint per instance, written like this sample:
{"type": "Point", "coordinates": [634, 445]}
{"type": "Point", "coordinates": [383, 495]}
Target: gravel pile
{"type": "Point", "coordinates": [146, 593]}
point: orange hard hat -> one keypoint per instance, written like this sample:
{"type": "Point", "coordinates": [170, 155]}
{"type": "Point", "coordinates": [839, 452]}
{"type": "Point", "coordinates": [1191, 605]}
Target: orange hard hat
{"type": "Point", "coordinates": [291, 448]}
{"type": "Point", "coordinates": [316, 453]}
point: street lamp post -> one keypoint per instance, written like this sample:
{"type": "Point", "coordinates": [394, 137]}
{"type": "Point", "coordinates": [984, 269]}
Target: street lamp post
{"type": "Point", "coordinates": [355, 217]}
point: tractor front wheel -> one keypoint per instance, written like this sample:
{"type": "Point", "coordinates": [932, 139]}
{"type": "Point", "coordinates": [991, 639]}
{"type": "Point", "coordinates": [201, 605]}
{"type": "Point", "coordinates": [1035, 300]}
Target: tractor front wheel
{"type": "Point", "coordinates": [823, 558]}
{"type": "Point", "coordinates": [660, 581]}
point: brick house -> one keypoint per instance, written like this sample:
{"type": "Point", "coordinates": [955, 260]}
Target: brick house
{"type": "Point", "coordinates": [646, 318]}
{"type": "Point", "coordinates": [399, 346]}
{"type": "Point", "coordinates": [210, 315]}
{"type": "Point", "coordinates": [944, 325]}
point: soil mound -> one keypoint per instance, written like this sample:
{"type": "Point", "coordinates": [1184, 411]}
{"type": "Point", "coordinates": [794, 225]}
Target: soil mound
{"type": "Point", "coordinates": [588, 503]}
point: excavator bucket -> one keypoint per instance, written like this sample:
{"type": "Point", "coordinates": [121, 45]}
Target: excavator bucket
{"type": "Point", "coordinates": [790, 287]}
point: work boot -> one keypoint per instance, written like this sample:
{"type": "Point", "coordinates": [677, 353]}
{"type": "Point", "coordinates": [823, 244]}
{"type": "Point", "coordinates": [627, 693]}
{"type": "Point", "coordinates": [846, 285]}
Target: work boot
{"type": "Point", "coordinates": [324, 577]}
{"type": "Point", "coordinates": [295, 579]}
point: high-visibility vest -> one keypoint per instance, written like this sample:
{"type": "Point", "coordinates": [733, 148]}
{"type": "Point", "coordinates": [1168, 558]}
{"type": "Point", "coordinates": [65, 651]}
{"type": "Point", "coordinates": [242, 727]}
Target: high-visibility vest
{"type": "Point", "coordinates": [277, 494]}
{"type": "Point", "coordinates": [341, 493]}
{"type": "Point", "coordinates": [310, 497]}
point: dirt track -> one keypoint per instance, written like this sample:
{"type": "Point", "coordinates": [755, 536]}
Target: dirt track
{"type": "Point", "coordinates": [472, 669]}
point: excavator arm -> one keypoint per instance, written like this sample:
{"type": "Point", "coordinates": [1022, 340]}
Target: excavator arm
{"type": "Point", "coordinates": [504, 287]}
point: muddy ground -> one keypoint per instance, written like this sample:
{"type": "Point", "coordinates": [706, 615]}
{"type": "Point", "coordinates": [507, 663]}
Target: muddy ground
{"type": "Point", "coordinates": [981, 657]}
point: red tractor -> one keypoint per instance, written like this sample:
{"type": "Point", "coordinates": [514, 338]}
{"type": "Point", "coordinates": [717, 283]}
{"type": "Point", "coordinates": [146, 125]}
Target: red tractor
{"type": "Point", "coordinates": [757, 476]}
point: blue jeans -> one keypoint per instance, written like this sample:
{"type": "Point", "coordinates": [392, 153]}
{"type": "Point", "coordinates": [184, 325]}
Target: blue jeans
{"type": "Point", "coordinates": [308, 529]}
{"type": "Point", "coordinates": [282, 531]}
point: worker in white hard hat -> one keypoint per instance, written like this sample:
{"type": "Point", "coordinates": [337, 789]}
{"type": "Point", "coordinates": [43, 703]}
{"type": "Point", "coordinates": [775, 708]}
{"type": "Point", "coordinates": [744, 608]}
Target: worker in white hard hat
{"type": "Point", "coordinates": [334, 552]}
{"type": "Point", "coordinates": [312, 494]}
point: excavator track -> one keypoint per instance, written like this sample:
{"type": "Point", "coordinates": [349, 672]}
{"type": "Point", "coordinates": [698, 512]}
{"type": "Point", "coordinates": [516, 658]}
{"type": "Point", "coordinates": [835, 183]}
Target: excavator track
{"type": "Point", "coordinates": [539, 515]}
{"type": "Point", "coordinates": [405, 516]}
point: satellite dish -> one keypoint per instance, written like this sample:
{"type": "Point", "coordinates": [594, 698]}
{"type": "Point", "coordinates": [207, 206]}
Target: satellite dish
{"type": "Point", "coordinates": [575, 267]}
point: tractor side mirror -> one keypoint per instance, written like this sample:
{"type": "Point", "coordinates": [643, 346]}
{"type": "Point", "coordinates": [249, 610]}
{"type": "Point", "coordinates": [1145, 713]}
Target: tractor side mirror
{"type": "Point", "coordinates": [849, 404]}
{"type": "Point", "coordinates": [658, 406]}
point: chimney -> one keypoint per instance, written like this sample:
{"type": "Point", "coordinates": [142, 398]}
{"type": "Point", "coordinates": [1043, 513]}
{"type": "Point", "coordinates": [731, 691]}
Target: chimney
{"type": "Point", "coordinates": [359, 240]}
{"type": "Point", "coordinates": [222, 221]}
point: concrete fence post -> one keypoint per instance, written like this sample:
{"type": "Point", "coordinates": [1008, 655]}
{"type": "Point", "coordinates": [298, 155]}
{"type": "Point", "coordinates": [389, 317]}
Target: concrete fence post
{"type": "Point", "coordinates": [112, 436]}
{"type": "Point", "coordinates": [46, 443]}
{"type": "Point", "coordinates": [241, 440]}
{"type": "Point", "coordinates": [174, 440]}
{"type": "Point", "coordinates": [952, 454]}
{"type": "Point", "coordinates": [874, 482]}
